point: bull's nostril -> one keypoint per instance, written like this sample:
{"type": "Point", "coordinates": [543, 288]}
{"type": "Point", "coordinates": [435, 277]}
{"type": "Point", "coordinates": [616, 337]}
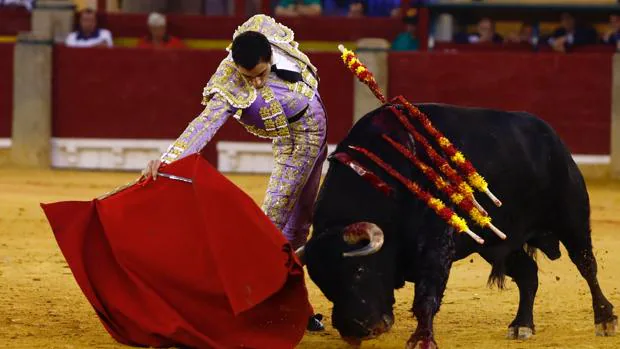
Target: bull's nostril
{"type": "Point", "coordinates": [380, 328]}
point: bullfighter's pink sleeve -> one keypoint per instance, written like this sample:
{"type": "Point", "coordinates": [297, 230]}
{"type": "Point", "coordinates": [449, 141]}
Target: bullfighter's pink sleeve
{"type": "Point", "coordinates": [200, 131]}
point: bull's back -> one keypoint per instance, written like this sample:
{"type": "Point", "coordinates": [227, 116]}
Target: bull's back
{"type": "Point", "coordinates": [503, 146]}
{"type": "Point", "coordinates": [521, 157]}
{"type": "Point", "coordinates": [516, 152]}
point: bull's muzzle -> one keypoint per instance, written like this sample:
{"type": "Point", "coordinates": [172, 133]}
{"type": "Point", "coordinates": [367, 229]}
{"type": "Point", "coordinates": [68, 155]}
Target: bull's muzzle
{"type": "Point", "coordinates": [357, 232]}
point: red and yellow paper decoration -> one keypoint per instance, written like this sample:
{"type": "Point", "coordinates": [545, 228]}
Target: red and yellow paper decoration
{"type": "Point", "coordinates": [475, 179]}
{"type": "Point", "coordinates": [456, 188]}
{"type": "Point", "coordinates": [362, 73]}
{"type": "Point", "coordinates": [437, 159]}
{"type": "Point", "coordinates": [464, 202]}
{"type": "Point", "coordinates": [434, 203]}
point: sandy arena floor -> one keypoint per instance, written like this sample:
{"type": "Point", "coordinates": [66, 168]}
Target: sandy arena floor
{"type": "Point", "coordinates": [41, 306]}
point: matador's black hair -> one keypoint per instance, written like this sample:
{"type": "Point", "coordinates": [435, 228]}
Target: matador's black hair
{"type": "Point", "coordinates": [250, 48]}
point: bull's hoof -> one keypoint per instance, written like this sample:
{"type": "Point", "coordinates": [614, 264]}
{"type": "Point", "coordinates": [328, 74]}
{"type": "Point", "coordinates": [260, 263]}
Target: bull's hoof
{"type": "Point", "coordinates": [608, 328]}
{"type": "Point", "coordinates": [422, 344]}
{"type": "Point", "coordinates": [519, 333]}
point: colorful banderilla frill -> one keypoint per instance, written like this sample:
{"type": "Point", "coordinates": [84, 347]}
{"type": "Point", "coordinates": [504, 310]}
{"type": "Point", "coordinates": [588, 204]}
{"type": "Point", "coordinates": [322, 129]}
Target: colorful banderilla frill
{"type": "Point", "coordinates": [465, 202]}
{"type": "Point", "coordinates": [456, 188]}
{"type": "Point", "coordinates": [362, 73]}
{"type": "Point", "coordinates": [437, 159]}
{"type": "Point", "coordinates": [476, 180]}
{"type": "Point", "coordinates": [434, 203]}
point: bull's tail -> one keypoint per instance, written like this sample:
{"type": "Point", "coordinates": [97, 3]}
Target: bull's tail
{"type": "Point", "coordinates": [498, 275]}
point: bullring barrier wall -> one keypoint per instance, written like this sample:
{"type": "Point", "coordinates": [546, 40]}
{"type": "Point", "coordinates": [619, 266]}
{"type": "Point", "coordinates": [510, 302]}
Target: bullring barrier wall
{"type": "Point", "coordinates": [115, 108]}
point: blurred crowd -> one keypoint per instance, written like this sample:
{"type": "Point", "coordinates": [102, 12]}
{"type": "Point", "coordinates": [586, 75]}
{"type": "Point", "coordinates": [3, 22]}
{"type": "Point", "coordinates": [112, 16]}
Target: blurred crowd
{"type": "Point", "coordinates": [88, 33]}
{"type": "Point", "coordinates": [568, 33]}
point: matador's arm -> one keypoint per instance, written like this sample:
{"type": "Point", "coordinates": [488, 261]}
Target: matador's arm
{"type": "Point", "coordinates": [200, 131]}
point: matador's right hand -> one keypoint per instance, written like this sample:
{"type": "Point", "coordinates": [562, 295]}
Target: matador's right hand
{"type": "Point", "coordinates": [151, 169]}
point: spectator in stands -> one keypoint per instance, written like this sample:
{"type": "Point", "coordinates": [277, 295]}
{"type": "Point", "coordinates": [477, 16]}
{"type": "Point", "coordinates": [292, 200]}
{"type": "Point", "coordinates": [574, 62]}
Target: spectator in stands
{"type": "Point", "coordinates": [524, 36]}
{"type": "Point", "coordinates": [393, 8]}
{"type": "Point", "coordinates": [348, 8]}
{"type": "Point", "coordinates": [363, 8]}
{"type": "Point", "coordinates": [292, 8]}
{"type": "Point", "coordinates": [612, 36]}
{"type": "Point", "coordinates": [569, 34]}
{"type": "Point", "coordinates": [158, 36]}
{"type": "Point", "coordinates": [357, 8]}
{"type": "Point", "coordinates": [485, 33]}
{"type": "Point", "coordinates": [388, 8]}
{"type": "Point", "coordinates": [407, 40]}
{"type": "Point", "coordinates": [88, 34]}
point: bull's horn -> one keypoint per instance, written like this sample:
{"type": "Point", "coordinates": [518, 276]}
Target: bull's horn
{"type": "Point", "coordinates": [357, 232]}
{"type": "Point", "coordinates": [301, 254]}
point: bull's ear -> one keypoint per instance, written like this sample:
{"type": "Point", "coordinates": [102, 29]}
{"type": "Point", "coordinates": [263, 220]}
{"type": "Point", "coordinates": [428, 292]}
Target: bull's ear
{"type": "Point", "coordinates": [356, 232]}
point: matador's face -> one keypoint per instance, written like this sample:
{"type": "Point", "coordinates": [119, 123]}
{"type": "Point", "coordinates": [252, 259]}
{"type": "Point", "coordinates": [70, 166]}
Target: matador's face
{"type": "Point", "coordinates": [256, 76]}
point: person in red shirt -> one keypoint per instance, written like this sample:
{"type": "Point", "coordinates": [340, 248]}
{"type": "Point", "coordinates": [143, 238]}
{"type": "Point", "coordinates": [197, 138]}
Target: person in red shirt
{"type": "Point", "coordinates": [158, 36]}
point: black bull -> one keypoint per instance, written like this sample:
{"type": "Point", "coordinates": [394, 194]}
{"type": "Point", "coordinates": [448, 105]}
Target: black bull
{"type": "Point", "coordinates": [528, 168]}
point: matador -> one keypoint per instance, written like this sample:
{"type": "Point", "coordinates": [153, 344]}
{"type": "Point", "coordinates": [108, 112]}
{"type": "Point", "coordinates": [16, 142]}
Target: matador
{"type": "Point", "coordinates": [271, 88]}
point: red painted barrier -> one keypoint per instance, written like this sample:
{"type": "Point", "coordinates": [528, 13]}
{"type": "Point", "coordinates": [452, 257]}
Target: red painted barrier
{"type": "Point", "coordinates": [133, 93]}
{"type": "Point", "coordinates": [571, 92]}
{"type": "Point", "coordinates": [139, 93]}
{"type": "Point", "coordinates": [127, 93]}
{"type": "Point", "coordinates": [6, 89]}
{"type": "Point", "coordinates": [13, 20]}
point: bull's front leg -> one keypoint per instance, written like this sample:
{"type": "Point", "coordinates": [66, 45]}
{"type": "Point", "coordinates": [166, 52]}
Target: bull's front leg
{"type": "Point", "coordinates": [432, 265]}
{"type": "Point", "coordinates": [424, 310]}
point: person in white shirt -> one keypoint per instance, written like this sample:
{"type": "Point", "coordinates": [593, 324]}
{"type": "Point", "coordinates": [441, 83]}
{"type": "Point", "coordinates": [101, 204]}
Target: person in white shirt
{"type": "Point", "coordinates": [89, 34]}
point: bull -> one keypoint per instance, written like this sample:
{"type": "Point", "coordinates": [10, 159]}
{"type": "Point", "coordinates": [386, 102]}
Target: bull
{"type": "Point", "coordinates": [371, 236]}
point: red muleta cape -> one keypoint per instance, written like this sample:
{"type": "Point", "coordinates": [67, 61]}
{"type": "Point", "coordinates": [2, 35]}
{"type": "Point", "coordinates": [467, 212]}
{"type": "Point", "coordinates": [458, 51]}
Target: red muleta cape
{"type": "Point", "coordinates": [170, 263]}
